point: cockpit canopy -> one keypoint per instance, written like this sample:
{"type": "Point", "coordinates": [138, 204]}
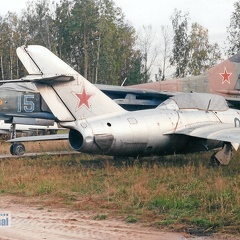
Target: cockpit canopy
{"type": "Point", "coordinates": [199, 101]}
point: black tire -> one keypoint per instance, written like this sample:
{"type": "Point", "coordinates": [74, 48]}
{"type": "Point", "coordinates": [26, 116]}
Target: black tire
{"type": "Point", "coordinates": [17, 149]}
{"type": "Point", "coordinates": [11, 149]}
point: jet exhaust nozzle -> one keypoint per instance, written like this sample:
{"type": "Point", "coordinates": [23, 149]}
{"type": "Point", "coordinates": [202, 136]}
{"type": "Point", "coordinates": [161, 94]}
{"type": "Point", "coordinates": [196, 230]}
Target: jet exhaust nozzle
{"type": "Point", "coordinates": [75, 139]}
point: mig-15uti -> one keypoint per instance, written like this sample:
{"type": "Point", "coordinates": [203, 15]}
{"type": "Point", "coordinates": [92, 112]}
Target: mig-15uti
{"type": "Point", "coordinates": [22, 109]}
{"type": "Point", "coordinates": [184, 123]}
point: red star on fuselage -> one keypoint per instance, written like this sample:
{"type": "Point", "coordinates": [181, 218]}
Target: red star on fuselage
{"type": "Point", "coordinates": [83, 98]}
{"type": "Point", "coordinates": [225, 76]}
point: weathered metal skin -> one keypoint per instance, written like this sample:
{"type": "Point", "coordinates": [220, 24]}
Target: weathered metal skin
{"type": "Point", "coordinates": [184, 123]}
{"type": "Point", "coordinates": [144, 133]}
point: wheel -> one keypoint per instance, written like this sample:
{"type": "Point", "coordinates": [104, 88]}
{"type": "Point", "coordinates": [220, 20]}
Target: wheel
{"type": "Point", "coordinates": [17, 149]}
{"type": "Point", "coordinates": [11, 149]}
{"type": "Point", "coordinates": [213, 161]}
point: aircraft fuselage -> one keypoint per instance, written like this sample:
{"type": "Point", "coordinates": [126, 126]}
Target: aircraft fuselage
{"type": "Point", "coordinates": [145, 132]}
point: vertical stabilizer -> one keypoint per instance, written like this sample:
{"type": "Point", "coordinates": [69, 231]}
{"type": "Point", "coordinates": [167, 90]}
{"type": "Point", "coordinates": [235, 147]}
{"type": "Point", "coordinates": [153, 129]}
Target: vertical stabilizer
{"type": "Point", "coordinates": [72, 97]}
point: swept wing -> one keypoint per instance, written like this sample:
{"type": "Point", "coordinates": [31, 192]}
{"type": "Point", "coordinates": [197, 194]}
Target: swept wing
{"type": "Point", "coordinates": [215, 131]}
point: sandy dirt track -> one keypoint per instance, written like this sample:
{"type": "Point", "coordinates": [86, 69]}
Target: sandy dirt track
{"type": "Point", "coordinates": [34, 222]}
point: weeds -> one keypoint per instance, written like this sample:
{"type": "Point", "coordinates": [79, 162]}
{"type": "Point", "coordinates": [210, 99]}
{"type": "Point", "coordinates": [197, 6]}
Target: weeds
{"type": "Point", "coordinates": [100, 217]}
{"type": "Point", "coordinates": [159, 191]}
{"type": "Point", "coordinates": [130, 219]}
{"type": "Point", "coordinates": [46, 146]}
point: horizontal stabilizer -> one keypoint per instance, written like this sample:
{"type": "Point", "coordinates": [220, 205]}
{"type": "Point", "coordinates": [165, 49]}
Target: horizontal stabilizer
{"type": "Point", "coordinates": [42, 78]}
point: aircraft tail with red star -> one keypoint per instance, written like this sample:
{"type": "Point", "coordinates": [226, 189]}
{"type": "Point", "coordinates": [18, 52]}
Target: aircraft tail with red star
{"type": "Point", "coordinates": [222, 79]}
{"type": "Point", "coordinates": [69, 95]}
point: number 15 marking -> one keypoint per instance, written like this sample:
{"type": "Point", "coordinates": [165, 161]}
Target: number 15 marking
{"type": "Point", "coordinates": [28, 104]}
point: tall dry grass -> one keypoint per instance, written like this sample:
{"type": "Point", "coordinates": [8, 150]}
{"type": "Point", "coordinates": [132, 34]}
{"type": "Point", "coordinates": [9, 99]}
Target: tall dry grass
{"type": "Point", "coordinates": [38, 146]}
{"type": "Point", "coordinates": [179, 191]}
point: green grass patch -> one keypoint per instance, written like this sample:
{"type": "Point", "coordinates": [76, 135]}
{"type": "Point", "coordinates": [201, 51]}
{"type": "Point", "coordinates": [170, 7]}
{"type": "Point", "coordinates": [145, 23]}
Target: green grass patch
{"type": "Point", "coordinates": [131, 219]}
{"type": "Point", "coordinates": [161, 191]}
{"type": "Point", "coordinates": [100, 217]}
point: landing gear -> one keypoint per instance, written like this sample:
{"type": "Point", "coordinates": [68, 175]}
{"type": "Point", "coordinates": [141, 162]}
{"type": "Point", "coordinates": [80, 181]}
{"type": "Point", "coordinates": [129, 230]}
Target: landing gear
{"type": "Point", "coordinates": [222, 157]}
{"type": "Point", "coordinates": [214, 161]}
{"type": "Point", "coordinates": [17, 149]}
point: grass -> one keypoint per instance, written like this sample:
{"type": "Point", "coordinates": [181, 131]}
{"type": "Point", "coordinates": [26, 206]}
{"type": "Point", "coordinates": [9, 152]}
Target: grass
{"type": "Point", "coordinates": [47, 146]}
{"type": "Point", "coordinates": [180, 192]}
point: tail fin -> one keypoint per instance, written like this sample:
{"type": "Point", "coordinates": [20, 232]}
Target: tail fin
{"type": "Point", "coordinates": [68, 94]}
{"type": "Point", "coordinates": [224, 77]}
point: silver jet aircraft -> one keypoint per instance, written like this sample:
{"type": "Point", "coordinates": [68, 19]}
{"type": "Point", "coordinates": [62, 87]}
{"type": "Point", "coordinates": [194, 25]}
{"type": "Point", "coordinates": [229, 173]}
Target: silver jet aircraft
{"type": "Point", "coordinates": [184, 123]}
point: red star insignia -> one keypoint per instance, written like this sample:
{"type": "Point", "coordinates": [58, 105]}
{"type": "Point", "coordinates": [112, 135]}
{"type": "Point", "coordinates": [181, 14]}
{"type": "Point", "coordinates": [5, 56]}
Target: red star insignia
{"type": "Point", "coordinates": [83, 98]}
{"type": "Point", "coordinates": [225, 76]}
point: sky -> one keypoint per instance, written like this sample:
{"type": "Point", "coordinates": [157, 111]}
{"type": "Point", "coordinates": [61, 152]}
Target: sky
{"type": "Point", "coordinates": [211, 14]}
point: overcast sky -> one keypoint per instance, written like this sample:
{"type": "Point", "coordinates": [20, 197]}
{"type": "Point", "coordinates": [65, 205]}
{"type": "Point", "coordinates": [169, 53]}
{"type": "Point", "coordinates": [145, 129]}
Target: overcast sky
{"type": "Point", "coordinates": [211, 14]}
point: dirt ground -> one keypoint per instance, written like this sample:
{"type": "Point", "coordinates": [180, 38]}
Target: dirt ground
{"type": "Point", "coordinates": [34, 222]}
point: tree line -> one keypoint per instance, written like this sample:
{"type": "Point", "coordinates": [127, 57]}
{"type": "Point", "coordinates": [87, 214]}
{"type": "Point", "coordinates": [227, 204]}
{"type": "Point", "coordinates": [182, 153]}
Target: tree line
{"type": "Point", "coordinates": [94, 37]}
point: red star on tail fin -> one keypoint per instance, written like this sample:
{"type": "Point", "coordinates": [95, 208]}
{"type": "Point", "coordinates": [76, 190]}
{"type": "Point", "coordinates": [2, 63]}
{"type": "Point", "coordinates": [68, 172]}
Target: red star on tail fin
{"type": "Point", "coordinates": [225, 75]}
{"type": "Point", "coordinates": [83, 98]}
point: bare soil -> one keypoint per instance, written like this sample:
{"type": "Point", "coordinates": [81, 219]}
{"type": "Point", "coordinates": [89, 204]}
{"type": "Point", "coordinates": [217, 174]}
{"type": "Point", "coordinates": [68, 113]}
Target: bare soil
{"type": "Point", "coordinates": [34, 221]}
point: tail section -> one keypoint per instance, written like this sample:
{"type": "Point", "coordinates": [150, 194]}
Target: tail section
{"type": "Point", "coordinates": [68, 94]}
{"type": "Point", "coordinates": [223, 79]}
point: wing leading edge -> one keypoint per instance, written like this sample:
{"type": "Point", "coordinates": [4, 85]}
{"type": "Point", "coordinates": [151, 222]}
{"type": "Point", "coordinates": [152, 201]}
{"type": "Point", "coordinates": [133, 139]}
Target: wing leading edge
{"type": "Point", "coordinates": [217, 131]}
